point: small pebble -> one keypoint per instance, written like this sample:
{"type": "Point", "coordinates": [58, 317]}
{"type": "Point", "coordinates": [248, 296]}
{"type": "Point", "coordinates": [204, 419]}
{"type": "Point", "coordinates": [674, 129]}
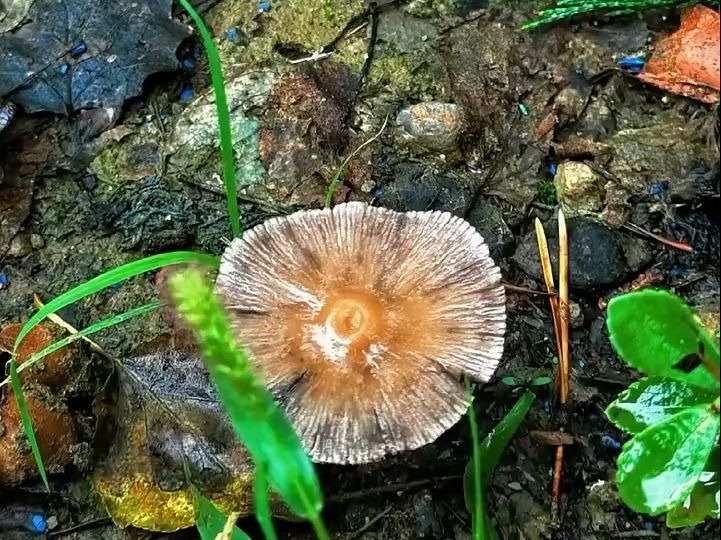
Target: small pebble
{"type": "Point", "coordinates": [515, 486]}
{"type": "Point", "coordinates": [89, 181]}
{"type": "Point", "coordinates": [52, 522]}
{"type": "Point", "coordinates": [610, 442]}
{"type": "Point", "coordinates": [37, 241]}
{"type": "Point", "coordinates": [20, 246]}
{"type": "Point", "coordinates": [186, 93]}
{"type": "Point", "coordinates": [78, 49]}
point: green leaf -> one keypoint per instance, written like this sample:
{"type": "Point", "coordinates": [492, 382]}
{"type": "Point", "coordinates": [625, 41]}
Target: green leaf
{"type": "Point", "coordinates": [263, 428]}
{"type": "Point", "coordinates": [111, 277]}
{"type": "Point", "coordinates": [541, 381]}
{"type": "Point", "coordinates": [704, 501]}
{"type": "Point", "coordinates": [476, 500]}
{"type": "Point", "coordinates": [262, 505]}
{"type": "Point", "coordinates": [93, 328]}
{"type": "Point", "coordinates": [221, 105]}
{"type": "Point", "coordinates": [654, 331]}
{"type": "Point", "coordinates": [658, 468]}
{"type": "Point", "coordinates": [210, 521]}
{"type": "Point", "coordinates": [26, 421]}
{"type": "Point", "coordinates": [653, 400]}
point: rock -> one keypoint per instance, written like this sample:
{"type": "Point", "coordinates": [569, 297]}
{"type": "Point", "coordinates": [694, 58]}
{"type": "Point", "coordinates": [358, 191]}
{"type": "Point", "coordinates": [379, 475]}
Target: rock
{"type": "Point", "coordinates": [596, 253]}
{"type": "Point", "coordinates": [427, 523]}
{"type": "Point", "coordinates": [53, 429]}
{"type": "Point", "coordinates": [598, 510]}
{"type": "Point", "coordinates": [532, 519]}
{"type": "Point", "coordinates": [415, 187]}
{"type": "Point", "coordinates": [488, 221]}
{"type": "Point", "coordinates": [52, 371]}
{"type": "Point", "coordinates": [430, 126]}
{"type": "Point", "coordinates": [37, 241]}
{"type": "Point", "coordinates": [515, 486]}
{"type": "Point", "coordinates": [575, 314]}
{"type": "Point", "coordinates": [20, 246]}
{"type": "Point", "coordinates": [578, 188]}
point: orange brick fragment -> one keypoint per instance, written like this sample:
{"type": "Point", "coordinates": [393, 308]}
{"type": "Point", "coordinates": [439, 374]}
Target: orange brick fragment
{"type": "Point", "coordinates": [687, 61]}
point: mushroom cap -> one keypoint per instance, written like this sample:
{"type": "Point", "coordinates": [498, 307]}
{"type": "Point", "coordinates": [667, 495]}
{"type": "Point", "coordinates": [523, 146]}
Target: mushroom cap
{"type": "Point", "coordinates": [362, 321]}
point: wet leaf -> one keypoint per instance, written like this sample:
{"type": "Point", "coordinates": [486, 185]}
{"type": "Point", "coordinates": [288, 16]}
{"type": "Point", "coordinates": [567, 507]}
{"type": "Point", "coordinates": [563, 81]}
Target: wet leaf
{"type": "Point", "coordinates": [704, 501]}
{"type": "Point", "coordinates": [210, 521]}
{"type": "Point", "coordinates": [74, 54]}
{"type": "Point", "coordinates": [656, 332]}
{"type": "Point", "coordinates": [265, 431]}
{"type": "Point", "coordinates": [653, 400]}
{"type": "Point", "coordinates": [659, 468]}
{"type": "Point", "coordinates": [171, 428]}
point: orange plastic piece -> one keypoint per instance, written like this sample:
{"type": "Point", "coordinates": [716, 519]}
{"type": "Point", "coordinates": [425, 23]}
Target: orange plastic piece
{"type": "Point", "coordinates": [687, 61]}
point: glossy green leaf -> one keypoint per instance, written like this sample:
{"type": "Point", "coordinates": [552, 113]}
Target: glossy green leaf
{"type": "Point", "coordinates": [653, 400]}
{"type": "Point", "coordinates": [263, 428]}
{"type": "Point", "coordinates": [210, 521]}
{"type": "Point", "coordinates": [658, 468]}
{"type": "Point", "coordinates": [704, 501]}
{"type": "Point", "coordinates": [654, 331]}
{"type": "Point", "coordinates": [262, 505]}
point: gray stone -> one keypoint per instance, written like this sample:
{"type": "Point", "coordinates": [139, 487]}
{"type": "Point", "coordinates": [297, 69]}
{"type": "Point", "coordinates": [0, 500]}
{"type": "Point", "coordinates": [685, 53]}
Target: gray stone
{"type": "Point", "coordinates": [596, 253]}
{"type": "Point", "coordinates": [578, 188]}
{"type": "Point", "coordinates": [488, 221]}
{"type": "Point", "coordinates": [532, 519]}
{"type": "Point", "coordinates": [430, 126]}
{"type": "Point", "coordinates": [427, 523]}
{"type": "Point", "coordinates": [20, 246]}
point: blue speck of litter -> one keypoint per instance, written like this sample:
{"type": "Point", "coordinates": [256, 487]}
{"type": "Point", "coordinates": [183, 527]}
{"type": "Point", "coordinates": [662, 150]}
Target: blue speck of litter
{"type": "Point", "coordinates": [79, 48]}
{"type": "Point", "coordinates": [648, 525]}
{"type": "Point", "coordinates": [63, 69]}
{"type": "Point", "coordinates": [610, 442]}
{"type": "Point", "coordinates": [186, 93]}
{"type": "Point", "coordinates": [632, 63]}
{"type": "Point", "coordinates": [232, 34]}
{"type": "Point", "coordinates": [678, 272]}
{"type": "Point", "coordinates": [115, 287]}
{"type": "Point", "coordinates": [4, 281]}
{"type": "Point", "coordinates": [581, 363]}
{"type": "Point", "coordinates": [264, 6]}
{"type": "Point", "coordinates": [552, 169]}
{"type": "Point", "coordinates": [547, 406]}
{"type": "Point", "coordinates": [377, 192]}
{"type": "Point", "coordinates": [657, 188]}
{"type": "Point", "coordinates": [523, 108]}
{"type": "Point", "coordinates": [38, 523]}
{"type": "Point", "coordinates": [188, 63]}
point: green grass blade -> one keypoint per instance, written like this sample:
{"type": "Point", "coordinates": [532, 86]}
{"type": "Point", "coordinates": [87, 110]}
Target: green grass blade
{"type": "Point", "coordinates": [262, 505]}
{"type": "Point", "coordinates": [93, 328]}
{"type": "Point", "coordinates": [478, 513]}
{"type": "Point", "coordinates": [496, 442]}
{"type": "Point", "coordinates": [26, 421]}
{"type": "Point", "coordinates": [111, 277]}
{"type": "Point", "coordinates": [261, 425]}
{"type": "Point", "coordinates": [221, 105]}
{"type": "Point", "coordinates": [210, 521]}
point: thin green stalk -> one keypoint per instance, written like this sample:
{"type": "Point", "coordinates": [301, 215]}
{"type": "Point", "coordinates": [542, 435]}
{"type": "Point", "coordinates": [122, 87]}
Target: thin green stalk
{"type": "Point", "coordinates": [221, 105]}
{"type": "Point", "coordinates": [319, 528]}
{"type": "Point", "coordinates": [27, 421]}
{"type": "Point", "coordinates": [93, 328]}
{"type": "Point", "coordinates": [478, 514]}
{"type": "Point", "coordinates": [262, 505]}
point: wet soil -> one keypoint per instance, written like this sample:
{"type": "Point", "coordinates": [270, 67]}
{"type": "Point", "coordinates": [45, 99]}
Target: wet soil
{"type": "Point", "coordinates": [100, 200]}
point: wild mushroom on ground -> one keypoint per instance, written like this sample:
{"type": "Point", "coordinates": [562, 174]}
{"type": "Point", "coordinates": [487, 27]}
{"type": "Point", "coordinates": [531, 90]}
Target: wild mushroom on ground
{"type": "Point", "coordinates": [362, 321]}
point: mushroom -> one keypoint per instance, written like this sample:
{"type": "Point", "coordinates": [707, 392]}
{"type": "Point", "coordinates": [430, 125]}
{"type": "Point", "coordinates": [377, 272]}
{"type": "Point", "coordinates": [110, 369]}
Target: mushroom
{"type": "Point", "coordinates": [362, 321]}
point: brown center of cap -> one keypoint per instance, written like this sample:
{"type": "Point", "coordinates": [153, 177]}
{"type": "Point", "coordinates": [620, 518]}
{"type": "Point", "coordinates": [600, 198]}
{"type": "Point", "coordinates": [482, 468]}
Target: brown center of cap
{"type": "Point", "coordinates": [354, 315]}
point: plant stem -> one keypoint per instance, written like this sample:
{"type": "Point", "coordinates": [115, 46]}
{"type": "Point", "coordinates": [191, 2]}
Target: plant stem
{"type": "Point", "coordinates": [221, 105]}
{"type": "Point", "coordinates": [479, 526]}
{"type": "Point", "coordinates": [319, 527]}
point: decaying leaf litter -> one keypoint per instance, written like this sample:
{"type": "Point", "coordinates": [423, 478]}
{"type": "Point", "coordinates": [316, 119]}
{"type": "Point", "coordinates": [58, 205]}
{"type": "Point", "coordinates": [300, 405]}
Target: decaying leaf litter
{"type": "Point", "coordinates": [487, 121]}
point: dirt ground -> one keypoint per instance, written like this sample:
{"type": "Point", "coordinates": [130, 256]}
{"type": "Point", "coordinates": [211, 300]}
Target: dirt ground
{"type": "Point", "coordinates": [89, 194]}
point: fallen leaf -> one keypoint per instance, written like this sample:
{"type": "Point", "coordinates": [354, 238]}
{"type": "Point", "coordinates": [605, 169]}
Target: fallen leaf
{"type": "Point", "coordinates": [169, 416]}
{"type": "Point", "coordinates": [74, 54]}
{"type": "Point", "coordinates": [687, 61]}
